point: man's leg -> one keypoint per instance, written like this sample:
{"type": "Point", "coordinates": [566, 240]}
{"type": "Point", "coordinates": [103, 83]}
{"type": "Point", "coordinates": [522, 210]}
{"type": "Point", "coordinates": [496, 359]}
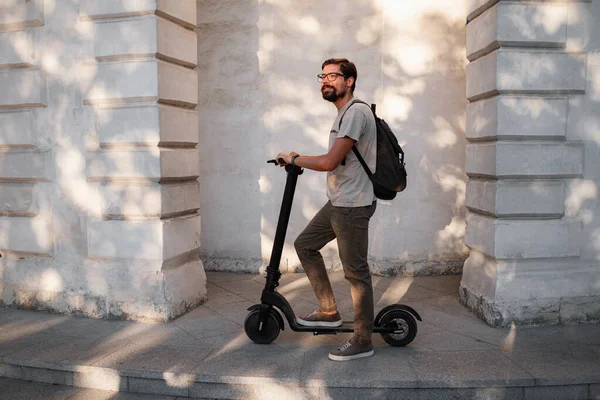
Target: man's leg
{"type": "Point", "coordinates": [317, 234]}
{"type": "Point", "coordinates": [351, 226]}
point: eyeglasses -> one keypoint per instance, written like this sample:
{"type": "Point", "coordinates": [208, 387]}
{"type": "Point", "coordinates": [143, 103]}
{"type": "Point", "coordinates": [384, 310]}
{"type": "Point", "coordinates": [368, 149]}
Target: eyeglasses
{"type": "Point", "coordinates": [330, 77]}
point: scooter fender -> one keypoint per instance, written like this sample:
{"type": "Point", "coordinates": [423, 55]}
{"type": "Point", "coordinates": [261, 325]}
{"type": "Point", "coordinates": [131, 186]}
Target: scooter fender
{"type": "Point", "coordinates": [404, 307]}
{"type": "Point", "coordinates": [276, 313]}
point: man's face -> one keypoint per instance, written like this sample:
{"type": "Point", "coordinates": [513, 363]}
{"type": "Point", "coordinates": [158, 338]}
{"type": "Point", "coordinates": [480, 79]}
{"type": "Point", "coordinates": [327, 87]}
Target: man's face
{"type": "Point", "coordinates": [333, 90]}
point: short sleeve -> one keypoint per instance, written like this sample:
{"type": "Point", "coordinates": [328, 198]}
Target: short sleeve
{"type": "Point", "coordinates": [354, 123]}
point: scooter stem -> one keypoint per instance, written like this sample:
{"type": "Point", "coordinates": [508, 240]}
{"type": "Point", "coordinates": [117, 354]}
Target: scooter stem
{"type": "Point", "coordinates": [273, 273]}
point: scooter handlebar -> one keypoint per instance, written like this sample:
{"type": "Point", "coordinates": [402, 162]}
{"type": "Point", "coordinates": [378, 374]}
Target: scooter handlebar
{"type": "Point", "coordinates": [288, 167]}
{"type": "Point", "coordinates": [277, 162]}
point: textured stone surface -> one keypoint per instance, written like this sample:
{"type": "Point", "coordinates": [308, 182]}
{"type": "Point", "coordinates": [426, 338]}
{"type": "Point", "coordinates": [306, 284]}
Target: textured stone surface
{"type": "Point", "coordinates": [25, 165]}
{"type": "Point", "coordinates": [183, 11]}
{"type": "Point", "coordinates": [517, 117]}
{"type": "Point", "coordinates": [16, 14]}
{"type": "Point", "coordinates": [505, 239]}
{"type": "Point", "coordinates": [145, 164]}
{"type": "Point", "coordinates": [17, 129]}
{"type": "Point", "coordinates": [149, 199]}
{"type": "Point", "coordinates": [135, 81]}
{"type": "Point", "coordinates": [155, 36]}
{"type": "Point", "coordinates": [512, 71]}
{"type": "Point", "coordinates": [516, 199]}
{"type": "Point", "coordinates": [22, 88]}
{"type": "Point", "coordinates": [522, 279]}
{"type": "Point", "coordinates": [525, 159]}
{"type": "Point", "coordinates": [145, 239]}
{"type": "Point", "coordinates": [149, 125]}
{"type": "Point", "coordinates": [51, 156]}
{"type": "Point", "coordinates": [17, 49]}
{"type": "Point", "coordinates": [514, 24]}
{"type": "Point", "coordinates": [18, 199]}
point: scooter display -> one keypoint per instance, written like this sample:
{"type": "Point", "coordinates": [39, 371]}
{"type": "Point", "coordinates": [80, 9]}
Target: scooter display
{"type": "Point", "coordinates": [396, 323]}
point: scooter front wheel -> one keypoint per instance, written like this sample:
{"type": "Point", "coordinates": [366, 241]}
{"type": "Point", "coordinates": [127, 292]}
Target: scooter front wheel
{"type": "Point", "coordinates": [265, 334]}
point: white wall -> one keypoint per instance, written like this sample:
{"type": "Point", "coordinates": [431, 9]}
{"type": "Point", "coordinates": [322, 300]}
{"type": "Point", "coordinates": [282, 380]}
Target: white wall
{"type": "Point", "coordinates": [96, 114]}
{"type": "Point", "coordinates": [259, 95]}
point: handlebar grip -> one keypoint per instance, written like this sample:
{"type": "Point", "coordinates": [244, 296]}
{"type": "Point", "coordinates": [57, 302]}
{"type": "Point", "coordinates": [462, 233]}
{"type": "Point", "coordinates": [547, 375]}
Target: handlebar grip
{"type": "Point", "coordinates": [279, 161]}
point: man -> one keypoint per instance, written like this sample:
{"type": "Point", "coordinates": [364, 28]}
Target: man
{"type": "Point", "coordinates": [346, 215]}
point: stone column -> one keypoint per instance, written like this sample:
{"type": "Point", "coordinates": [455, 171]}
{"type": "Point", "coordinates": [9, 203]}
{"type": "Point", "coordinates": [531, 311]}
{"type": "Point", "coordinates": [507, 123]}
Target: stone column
{"type": "Point", "coordinates": [524, 264]}
{"type": "Point", "coordinates": [143, 91]}
{"type": "Point", "coordinates": [98, 133]}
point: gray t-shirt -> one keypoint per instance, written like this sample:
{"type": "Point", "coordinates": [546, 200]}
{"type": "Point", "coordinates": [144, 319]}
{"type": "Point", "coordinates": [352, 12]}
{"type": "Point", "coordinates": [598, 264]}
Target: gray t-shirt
{"type": "Point", "coordinates": [348, 185]}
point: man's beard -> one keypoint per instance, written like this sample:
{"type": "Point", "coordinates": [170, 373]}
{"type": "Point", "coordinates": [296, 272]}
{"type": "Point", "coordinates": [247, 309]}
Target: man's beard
{"type": "Point", "coordinates": [332, 95]}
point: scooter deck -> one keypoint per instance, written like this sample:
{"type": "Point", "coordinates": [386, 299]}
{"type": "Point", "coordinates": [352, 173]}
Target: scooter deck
{"type": "Point", "coordinates": [347, 326]}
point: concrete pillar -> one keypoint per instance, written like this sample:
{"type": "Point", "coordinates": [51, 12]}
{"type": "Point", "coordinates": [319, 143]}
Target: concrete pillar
{"type": "Point", "coordinates": [525, 263]}
{"type": "Point", "coordinates": [103, 202]}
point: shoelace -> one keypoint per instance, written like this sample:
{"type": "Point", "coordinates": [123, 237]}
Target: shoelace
{"type": "Point", "coordinates": [345, 346]}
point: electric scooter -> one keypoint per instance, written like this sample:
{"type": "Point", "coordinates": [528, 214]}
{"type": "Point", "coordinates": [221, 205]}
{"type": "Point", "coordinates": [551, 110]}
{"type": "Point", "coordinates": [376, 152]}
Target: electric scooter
{"type": "Point", "coordinates": [396, 323]}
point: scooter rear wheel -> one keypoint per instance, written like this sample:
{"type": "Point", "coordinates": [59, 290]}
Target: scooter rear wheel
{"type": "Point", "coordinates": [269, 332]}
{"type": "Point", "coordinates": [401, 321]}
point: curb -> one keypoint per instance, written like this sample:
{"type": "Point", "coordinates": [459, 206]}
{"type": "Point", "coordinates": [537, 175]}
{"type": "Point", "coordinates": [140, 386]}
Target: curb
{"type": "Point", "coordinates": [239, 387]}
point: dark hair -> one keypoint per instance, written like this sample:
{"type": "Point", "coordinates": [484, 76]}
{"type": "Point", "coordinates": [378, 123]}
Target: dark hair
{"type": "Point", "coordinates": [347, 67]}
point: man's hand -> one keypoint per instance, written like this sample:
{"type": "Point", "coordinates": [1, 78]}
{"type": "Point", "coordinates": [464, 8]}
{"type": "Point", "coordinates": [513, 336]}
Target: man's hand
{"type": "Point", "coordinates": [287, 158]}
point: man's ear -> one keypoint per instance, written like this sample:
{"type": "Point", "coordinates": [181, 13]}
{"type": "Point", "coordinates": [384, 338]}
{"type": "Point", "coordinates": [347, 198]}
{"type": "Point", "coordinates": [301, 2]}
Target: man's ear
{"type": "Point", "coordinates": [350, 81]}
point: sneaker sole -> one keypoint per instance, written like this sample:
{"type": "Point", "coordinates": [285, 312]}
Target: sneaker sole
{"type": "Point", "coordinates": [323, 324]}
{"type": "Point", "coordinates": [352, 357]}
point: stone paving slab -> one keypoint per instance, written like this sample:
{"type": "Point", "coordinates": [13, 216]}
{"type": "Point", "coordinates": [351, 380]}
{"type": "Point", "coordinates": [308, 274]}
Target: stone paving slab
{"type": "Point", "coordinates": [206, 354]}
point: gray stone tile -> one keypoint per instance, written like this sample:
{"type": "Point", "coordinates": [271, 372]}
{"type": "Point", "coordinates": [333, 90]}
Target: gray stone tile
{"type": "Point", "coordinates": [209, 326]}
{"type": "Point", "coordinates": [236, 313]}
{"type": "Point", "coordinates": [159, 387]}
{"type": "Point", "coordinates": [444, 284]}
{"type": "Point", "coordinates": [496, 393]}
{"type": "Point", "coordinates": [272, 390]}
{"type": "Point", "coordinates": [14, 341]}
{"type": "Point", "coordinates": [218, 277]}
{"type": "Point", "coordinates": [449, 341]}
{"type": "Point", "coordinates": [467, 369]}
{"type": "Point", "coordinates": [567, 392]}
{"type": "Point", "coordinates": [95, 394]}
{"type": "Point", "coordinates": [99, 378]}
{"type": "Point", "coordinates": [68, 350]}
{"type": "Point", "coordinates": [12, 318]}
{"type": "Point", "coordinates": [47, 375]}
{"type": "Point", "coordinates": [424, 394]}
{"type": "Point", "coordinates": [254, 360]}
{"type": "Point", "coordinates": [559, 366]}
{"type": "Point", "coordinates": [595, 391]}
{"type": "Point", "coordinates": [244, 288]}
{"type": "Point", "coordinates": [368, 372]}
{"type": "Point", "coordinates": [588, 335]}
{"type": "Point", "coordinates": [14, 389]}
{"type": "Point", "coordinates": [228, 341]}
{"type": "Point", "coordinates": [155, 334]}
{"type": "Point", "coordinates": [219, 296]}
{"type": "Point", "coordinates": [84, 328]}
{"type": "Point", "coordinates": [10, 371]}
{"type": "Point", "coordinates": [143, 358]}
{"type": "Point", "coordinates": [449, 303]}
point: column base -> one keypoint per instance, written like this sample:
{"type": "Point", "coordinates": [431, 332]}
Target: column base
{"type": "Point", "coordinates": [109, 290]}
{"type": "Point", "coordinates": [547, 311]}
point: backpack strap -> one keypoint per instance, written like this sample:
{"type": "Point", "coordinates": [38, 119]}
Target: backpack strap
{"type": "Point", "coordinates": [354, 149]}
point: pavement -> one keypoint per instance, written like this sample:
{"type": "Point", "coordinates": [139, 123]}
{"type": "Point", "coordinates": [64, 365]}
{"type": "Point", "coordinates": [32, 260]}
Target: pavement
{"type": "Point", "coordinates": [206, 354]}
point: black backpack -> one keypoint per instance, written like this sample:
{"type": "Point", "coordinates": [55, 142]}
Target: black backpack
{"type": "Point", "coordinates": [390, 173]}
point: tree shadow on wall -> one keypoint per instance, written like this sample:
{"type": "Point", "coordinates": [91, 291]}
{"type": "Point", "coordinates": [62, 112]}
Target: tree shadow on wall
{"type": "Point", "coordinates": [259, 96]}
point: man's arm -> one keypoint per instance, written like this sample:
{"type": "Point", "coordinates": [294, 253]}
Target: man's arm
{"type": "Point", "coordinates": [325, 162]}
